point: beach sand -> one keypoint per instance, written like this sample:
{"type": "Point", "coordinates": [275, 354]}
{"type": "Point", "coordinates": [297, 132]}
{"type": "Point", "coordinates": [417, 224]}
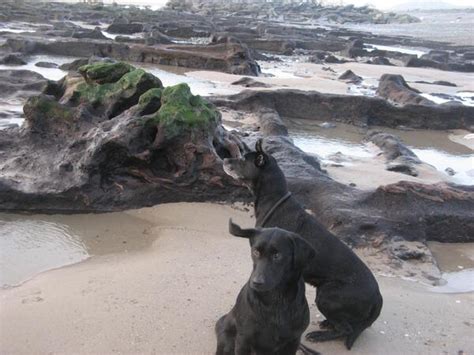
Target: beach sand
{"type": "Point", "coordinates": [166, 297]}
{"type": "Point", "coordinates": [309, 76]}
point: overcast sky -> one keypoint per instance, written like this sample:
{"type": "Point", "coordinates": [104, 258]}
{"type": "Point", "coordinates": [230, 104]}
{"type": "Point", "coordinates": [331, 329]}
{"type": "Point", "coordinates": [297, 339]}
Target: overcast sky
{"type": "Point", "coordinates": [385, 4]}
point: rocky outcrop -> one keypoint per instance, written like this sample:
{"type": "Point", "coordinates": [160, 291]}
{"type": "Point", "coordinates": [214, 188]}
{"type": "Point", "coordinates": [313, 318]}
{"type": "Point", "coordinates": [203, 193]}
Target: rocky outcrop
{"type": "Point", "coordinates": [14, 81]}
{"type": "Point", "coordinates": [12, 59]}
{"type": "Point", "coordinates": [403, 211]}
{"type": "Point", "coordinates": [356, 110]}
{"type": "Point", "coordinates": [250, 83]}
{"type": "Point", "coordinates": [114, 138]}
{"type": "Point", "coordinates": [397, 155]}
{"type": "Point", "coordinates": [395, 89]}
{"type": "Point", "coordinates": [125, 28]}
{"type": "Point", "coordinates": [230, 58]}
{"type": "Point", "coordinates": [350, 77]}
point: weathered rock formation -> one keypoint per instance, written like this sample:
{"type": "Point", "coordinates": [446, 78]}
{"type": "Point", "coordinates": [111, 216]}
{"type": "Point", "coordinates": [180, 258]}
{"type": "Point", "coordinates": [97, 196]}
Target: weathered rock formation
{"type": "Point", "coordinates": [397, 155]}
{"type": "Point", "coordinates": [404, 210]}
{"type": "Point", "coordinates": [230, 58]}
{"type": "Point", "coordinates": [114, 138]}
{"type": "Point", "coordinates": [395, 89]}
{"type": "Point", "coordinates": [357, 110]}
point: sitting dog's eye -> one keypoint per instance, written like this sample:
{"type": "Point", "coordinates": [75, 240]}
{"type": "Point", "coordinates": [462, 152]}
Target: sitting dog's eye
{"type": "Point", "coordinates": [276, 256]}
{"type": "Point", "coordinates": [256, 253]}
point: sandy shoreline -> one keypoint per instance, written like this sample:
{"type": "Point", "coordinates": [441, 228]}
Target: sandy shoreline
{"type": "Point", "coordinates": [165, 298]}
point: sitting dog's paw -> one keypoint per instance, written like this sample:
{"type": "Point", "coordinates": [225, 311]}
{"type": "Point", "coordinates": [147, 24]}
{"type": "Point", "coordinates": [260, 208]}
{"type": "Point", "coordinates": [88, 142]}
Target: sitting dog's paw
{"type": "Point", "coordinates": [316, 336]}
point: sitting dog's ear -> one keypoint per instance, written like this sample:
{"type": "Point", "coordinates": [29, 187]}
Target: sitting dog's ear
{"type": "Point", "coordinates": [235, 230]}
{"type": "Point", "coordinates": [259, 146]}
{"type": "Point", "coordinates": [260, 160]}
{"type": "Point", "coordinates": [303, 252]}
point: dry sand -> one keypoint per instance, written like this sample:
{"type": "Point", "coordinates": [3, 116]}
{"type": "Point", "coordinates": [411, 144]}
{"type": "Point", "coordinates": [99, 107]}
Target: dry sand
{"type": "Point", "coordinates": [166, 298]}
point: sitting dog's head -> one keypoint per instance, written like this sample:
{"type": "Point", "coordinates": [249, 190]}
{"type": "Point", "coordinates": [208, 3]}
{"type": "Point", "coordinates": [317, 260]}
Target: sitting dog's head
{"type": "Point", "coordinates": [278, 256]}
{"type": "Point", "coordinates": [252, 166]}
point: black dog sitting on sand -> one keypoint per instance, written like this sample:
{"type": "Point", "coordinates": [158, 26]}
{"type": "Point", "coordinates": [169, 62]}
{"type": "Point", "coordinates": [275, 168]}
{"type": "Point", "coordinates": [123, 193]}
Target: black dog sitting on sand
{"type": "Point", "coordinates": [347, 292]}
{"type": "Point", "coordinates": [271, 312]}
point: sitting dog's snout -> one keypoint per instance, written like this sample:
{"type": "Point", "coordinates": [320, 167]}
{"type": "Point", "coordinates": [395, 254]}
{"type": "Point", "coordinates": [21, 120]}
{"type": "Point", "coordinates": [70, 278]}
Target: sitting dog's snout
{"type": "Point", "coordinates": [258, 283]}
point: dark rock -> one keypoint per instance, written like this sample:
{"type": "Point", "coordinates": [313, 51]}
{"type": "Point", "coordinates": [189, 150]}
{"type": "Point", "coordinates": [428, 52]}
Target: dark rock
{"type": "Point", "coordinates": [91, 34]}
{"type": "Point", "coordinates": [450, 171]}
{"type": "Point", "coordinates": [350, 77]}
{"type": "Point", "coordinates": [468, 55]}
{"type": "Point", "coordinates": [333, 60]}
{"type": "Point", "coordinates": [437, 56]}
{"type": "Point", "coordinates": [156, 37]}
{"type": "Point", "coordinates": [13, 81]}
{"type": "Point", "coordinates": [409, 250]}
{"type": "Point", "coordinates": [355, 49]}
{"type": "Point", "coordinates": [46, 65]}
{"type": "Point", "coordinates": [398, 157]}
{"type": "Point", "coordinates": [379, 61]}
{"type": "Point", "coordinates": [12, 59]}
{"type": "Point", "coordinates": [74, 65]}
{"type": "Point", "coordinates": [250, 83]}
{"type": "Point", "coordinates": [395, 89]}
{"type": "Point", "coordinates": [125, 28]}
{"type": "Point", "coordinates": [444, 83]}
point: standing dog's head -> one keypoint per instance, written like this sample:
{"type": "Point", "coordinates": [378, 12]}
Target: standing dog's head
{"type": "Point", "coordinates": [278, 256]}
{"type": "Point", "coordinates": [253, 166]}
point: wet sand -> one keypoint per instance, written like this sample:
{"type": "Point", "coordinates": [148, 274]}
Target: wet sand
{"type": "Point", "coordinates": [165, 298]}
{"type": "Point", "coordinates": [309, 76]}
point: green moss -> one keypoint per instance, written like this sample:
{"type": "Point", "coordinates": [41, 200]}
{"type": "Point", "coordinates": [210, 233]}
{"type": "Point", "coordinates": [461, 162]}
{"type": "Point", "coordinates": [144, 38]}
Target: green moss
{"type": "Point", "coordinates": [180, 109]}
{"type": "Point", "coordinates": [50, 108]}
{"type": "Point", "coordinates": [103, 73]}
{"type": "Point", "coordinates": [150, 101]}
{"type": "Point", "coordinates": [132, 83]}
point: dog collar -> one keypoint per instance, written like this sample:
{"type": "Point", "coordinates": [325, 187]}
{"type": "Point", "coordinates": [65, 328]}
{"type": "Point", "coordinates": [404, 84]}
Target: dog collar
{"type": "Point", "coordinates": [275, 206]}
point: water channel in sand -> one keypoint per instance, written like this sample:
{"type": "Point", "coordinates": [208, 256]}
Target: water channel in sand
{"type": "Point", "coordinates": [432, 147]}
{"type": "Point", "coordinates": [30, 245]}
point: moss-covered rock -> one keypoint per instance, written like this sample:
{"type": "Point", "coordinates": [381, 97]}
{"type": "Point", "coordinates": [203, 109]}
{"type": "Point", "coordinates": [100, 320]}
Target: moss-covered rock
{"type": "Point", "coordinates": [115, 97]}
{"type": "Point", "coordinates": [103, 73]}
{"type": "Point", "coordinates": [150, 102]}
{"type": "Point", "coordinates": [180, 109]}
{"type": "Point", "coordinates": [48, 107]}
{"type": "Point", "coordinates": [44, 114]}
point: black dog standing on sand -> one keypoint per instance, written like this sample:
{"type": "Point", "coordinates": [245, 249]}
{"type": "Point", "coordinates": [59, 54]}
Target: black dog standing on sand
{"type": "Point", "coordinates": [347, 293]}
{"type": "Point", "coordinates": [271, 312]}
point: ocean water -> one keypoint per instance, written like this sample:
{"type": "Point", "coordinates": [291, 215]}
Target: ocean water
{"type": "Point", "coordinates": [455, 27]}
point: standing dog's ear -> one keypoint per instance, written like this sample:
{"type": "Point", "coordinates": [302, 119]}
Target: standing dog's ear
{"type": "Point", "coordinates": [303, 252]}
{"type": "Point", "coordinates": [258, 146]}
{"type": "Point", "coordinates": [235, 230]}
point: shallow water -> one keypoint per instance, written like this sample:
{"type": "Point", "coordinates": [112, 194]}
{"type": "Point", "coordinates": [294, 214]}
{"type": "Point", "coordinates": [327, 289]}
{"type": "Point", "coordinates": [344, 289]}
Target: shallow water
{"type": "Point", "coordinates": [446, 26]}
{"type": "Point", "coordinates": [432, 147]}
{"type": "Point", "coordinates": [30, 245]}
{"type": "Point", "coordinates": [48, 73]}
{"type": "Point", "coordinates": [414, 51]}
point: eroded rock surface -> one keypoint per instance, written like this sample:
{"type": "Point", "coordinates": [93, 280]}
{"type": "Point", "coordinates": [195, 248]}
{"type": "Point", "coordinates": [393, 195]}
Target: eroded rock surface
{"type": "Point", "coordinates": [114, 138]}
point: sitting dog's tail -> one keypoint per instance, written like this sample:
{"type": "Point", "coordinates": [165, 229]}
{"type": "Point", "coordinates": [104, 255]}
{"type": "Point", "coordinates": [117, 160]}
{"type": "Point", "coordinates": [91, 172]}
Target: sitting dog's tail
{"type": "Point", "coordinates": [307, 351]}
